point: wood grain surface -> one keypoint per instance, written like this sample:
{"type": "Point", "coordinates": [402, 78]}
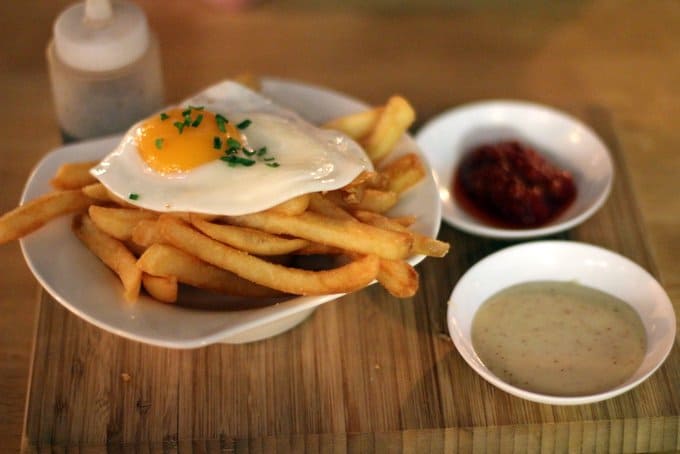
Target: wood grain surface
{"type": "Point", "coordinates": [365, 364]}
{"type": "Point", "coordinates": [614, 64]}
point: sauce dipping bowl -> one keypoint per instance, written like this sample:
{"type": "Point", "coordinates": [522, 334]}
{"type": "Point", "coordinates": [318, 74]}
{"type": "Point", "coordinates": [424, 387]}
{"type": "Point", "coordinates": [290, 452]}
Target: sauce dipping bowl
{"type": "Point", "coordinates": [561, 139]}
{"type": "Point", "coordinates": [584, 264]}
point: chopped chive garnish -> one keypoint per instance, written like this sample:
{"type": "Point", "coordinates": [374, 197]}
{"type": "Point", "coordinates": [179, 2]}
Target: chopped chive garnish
{"type": "Point", "coordinates": [248, 152]}
{"type": "Point", "coordinates": [187, 121]}
{"type": "Point", "coordinates": [179, 125]}
{"type": "Point", "coordinates": [164, 116]}
{"type": "Point", "coordinates": [244, 124]}
{"type": "Point", "coordinates": [133, 196]}
{"type": "Point", "coordinates": [159, 143]}
{"type": "Point", "coordinates": [195, 107]}
{"type": "Point", "coordinates": [270, 158]}
{"type": "Point", "coordinates": [221, 122]}
{"type": "Point", "coordinates": [197, 121]}
{"type": "Point", "coordinates": [186, 112]}
{"type": "Point", "coordinates": [273, 164]}
{"type": "Point", "coordinates": [262, 151]}
{"type": "Point", "coordinates": [233, 143]}
{"type": "Point", "coordinates": [234, 160]}
{"type": "Point", "coordinates": [217, 143]}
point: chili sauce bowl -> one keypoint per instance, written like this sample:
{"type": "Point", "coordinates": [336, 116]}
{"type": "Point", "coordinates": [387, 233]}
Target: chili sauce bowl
{"type": "Point", "coordinates": [561, 139]}
{"type": "Point", "coordinates": [569, 262]}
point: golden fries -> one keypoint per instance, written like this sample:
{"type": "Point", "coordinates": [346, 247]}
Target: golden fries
{"type": "Point", "coordinates": [32, 215]}
{"type": "Point", "coordinates": [421, 244]}
{"type": "Point", "coordinates": [356, 125]}
{"type": "Point", "coordinates": [353, 276]}
{"type": "Point", "coordinates": [249, 240]}
{"type": "Point", "coordinates": [296, 205]}
{"type": "Point", "coordinates": [112, 252]}
{"type": "Point", "coordinates": [249, 80]}
{"type": "Point", "coordinates": [248, 256]}
{"type": "Point", "coordinates": [394, 121]}
{"type": "Point", "coordinates": [118, 222]}
{"type": "Point", "coordinates": [404, 172]}
{"type": "Point", "coordinates": [163, 289]}
{"type": "Point", "coordinates": [371, 200]}
{"type": "Point", "coordinates": [324, 206]}
{"type": "Point", "coordinates": [168, 261]}
{"type": "Point", "coordinates": [98, 192]}
{"type": "Point", "coordinates": [398, 277]}
{"type": "Point", "coordinates": [74, 175]}
{"type": "Point", "coordinates": [346, 234]}
{"type": "Point", "coordinates": [146, 233]}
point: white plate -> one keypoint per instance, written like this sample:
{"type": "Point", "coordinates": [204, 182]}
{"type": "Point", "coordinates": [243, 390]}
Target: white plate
{"type": "Point", "coordinates": [79, 281]}
{"type": "Point", "coordinates": [562, 139]}
{"type": "Point", "coordinates": [563, 261]}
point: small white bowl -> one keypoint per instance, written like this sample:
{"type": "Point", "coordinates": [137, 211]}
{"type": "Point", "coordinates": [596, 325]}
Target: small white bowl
{"type": "Point", "coordinates": [562, 139]}
{"type": "Point", "coordinates": [563, 261]}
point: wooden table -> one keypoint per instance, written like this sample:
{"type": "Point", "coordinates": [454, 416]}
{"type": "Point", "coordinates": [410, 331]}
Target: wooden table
{"type": "Point", "coordinates": [615, 65]}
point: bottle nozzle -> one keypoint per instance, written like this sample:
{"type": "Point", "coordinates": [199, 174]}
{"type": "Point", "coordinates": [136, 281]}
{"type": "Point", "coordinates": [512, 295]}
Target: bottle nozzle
{"type": "Point", "coordinates": [100, 35]}
{"type": "Point", "coordinates": [97, 11]}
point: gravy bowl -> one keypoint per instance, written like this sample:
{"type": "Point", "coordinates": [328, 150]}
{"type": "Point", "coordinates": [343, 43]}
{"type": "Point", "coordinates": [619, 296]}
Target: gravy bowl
{"type": "Point", "coordinates": [566, 261]}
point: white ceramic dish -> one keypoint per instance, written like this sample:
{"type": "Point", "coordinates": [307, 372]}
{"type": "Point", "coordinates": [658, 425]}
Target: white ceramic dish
{"type": "Point", "coordinates": [562, 139]}
{"type": "Point", "coordinates": [564, 261]}
{"type": "Point", "coordinates": [79, 281]}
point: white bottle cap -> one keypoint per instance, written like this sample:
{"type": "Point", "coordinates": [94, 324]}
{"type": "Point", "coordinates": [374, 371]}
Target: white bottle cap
{"type": "Point", "coordinates": [99, 36]}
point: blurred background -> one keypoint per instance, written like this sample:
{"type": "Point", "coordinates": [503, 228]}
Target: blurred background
{"type": "Point", "coordinates": [611, 62]}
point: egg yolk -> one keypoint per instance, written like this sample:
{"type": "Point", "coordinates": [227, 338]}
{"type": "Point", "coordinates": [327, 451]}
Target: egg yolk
{"type": "Point", "coordinates": [179, 140]}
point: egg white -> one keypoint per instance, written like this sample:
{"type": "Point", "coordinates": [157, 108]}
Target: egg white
{"type": "Point", "coordinates": [310, 160]}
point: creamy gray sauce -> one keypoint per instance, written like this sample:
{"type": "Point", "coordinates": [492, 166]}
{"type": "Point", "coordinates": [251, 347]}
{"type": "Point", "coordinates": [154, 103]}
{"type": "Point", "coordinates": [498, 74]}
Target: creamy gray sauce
{"type": "Point", "coordinates": [559, 338]}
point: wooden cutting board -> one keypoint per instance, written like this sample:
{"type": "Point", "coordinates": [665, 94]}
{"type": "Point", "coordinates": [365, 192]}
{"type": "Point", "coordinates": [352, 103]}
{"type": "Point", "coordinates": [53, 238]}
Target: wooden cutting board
{"type": "Point", "coordinates": [365, 373]}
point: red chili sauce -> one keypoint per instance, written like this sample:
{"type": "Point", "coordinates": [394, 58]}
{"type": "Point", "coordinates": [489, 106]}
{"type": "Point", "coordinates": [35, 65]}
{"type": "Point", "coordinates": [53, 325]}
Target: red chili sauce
{"type": "Point", "coordinates": [507, 184]}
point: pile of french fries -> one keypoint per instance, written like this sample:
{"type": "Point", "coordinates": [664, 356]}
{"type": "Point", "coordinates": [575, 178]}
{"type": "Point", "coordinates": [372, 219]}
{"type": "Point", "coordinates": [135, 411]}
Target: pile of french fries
{"type": "Point", "coordinates": [254, 255]}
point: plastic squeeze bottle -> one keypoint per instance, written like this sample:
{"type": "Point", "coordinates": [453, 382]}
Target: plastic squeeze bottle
{"type": "Point", "coordinates": [105, 68]}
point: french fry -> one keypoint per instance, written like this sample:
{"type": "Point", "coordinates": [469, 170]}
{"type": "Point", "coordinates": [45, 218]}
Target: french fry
{"type": "Point", "coordinates": [319, 249]}
{"type": "Point", "coordinates": [404, 173]}
{"type": "Point", "coordinates": [32, 215]}
{"type": "Point", "coordinates": [370, 179]}
{"type": "Point", "coordinates": [404, 221]}
{"type": "Point", "coordinates": [74, 175]}
{"type": "Point", "coordinates": [294, 206]}
{"type": "Point", "coordinates": [249, 80]}
{"type": "Point", "coordinates": [343, 233]}
{"type": "Point", "coordinates": [323, 206]}
{"type": "Point", "coordinates": [146, 233]}
{"type": "Point", "coordinates": [99, 192]}
{"type": "Point", "coordinates": [135, 248]}
{"type": "Point", "coordinates": [163, 289]}
{"type": "Point", "coordinates": [353, 192]}
{"type": "Point", "coordinates": [372, 200]}
{"type": "Point", "coordinates": [421, 244]}
{"type": "Point", "coordinates": [394, 121]}
{"type": "Point", "coordinates": [165, 260]}
{"type": "Point", "coordinates": [118, 222]}
{"type": "Point", "coordinates": [377, 201]}
{"type": "Point", "coordinates": [398, 277]}
{"type": "Point", "coordinates": [112, 252]}
{"type": "Point", "coordinates": [347, 278]}
{"type": "Point", "coordinates": [249, 240]}
{"type": "Point", "coordinates": [356, 125]}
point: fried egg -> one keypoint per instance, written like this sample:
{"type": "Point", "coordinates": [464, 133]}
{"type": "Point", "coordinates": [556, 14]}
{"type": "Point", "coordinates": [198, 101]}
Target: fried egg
{"type": "Point", "coordinates": [227, 151]}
